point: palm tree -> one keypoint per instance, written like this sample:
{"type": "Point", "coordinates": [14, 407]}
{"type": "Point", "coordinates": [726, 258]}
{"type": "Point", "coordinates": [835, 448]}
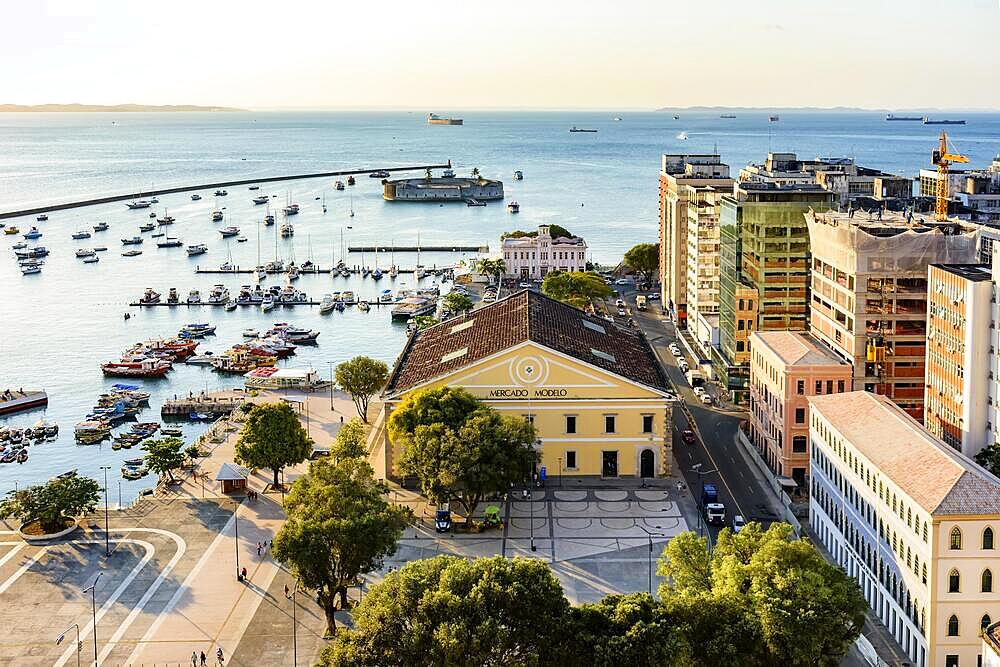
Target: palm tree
{"type": "Point", "coordinates": [427, 174]}
{"type": "Point", "coordinates": [475, 173]}
{"type": "Point", "coordinates": [495, 268]}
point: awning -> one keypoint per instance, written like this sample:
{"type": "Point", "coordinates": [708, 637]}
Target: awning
{"type": "Point", "coordinates": [231, 472]}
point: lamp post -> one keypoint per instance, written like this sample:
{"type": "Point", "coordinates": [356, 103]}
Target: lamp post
{"type": "Point", "coordinates": [331, 387]}
{"type": "Point", "coordinates": [236, 527]}
{"type": "Point", "coordinates": [531, 524]}
{"type": "Point", "coordinates": [649, 556]}
{"type": "Point", "coordinates": [92, 589]}
{"type": "Point", "coordinates": [79, 646]}
{"type": "Point", "coordinates": [295, 636]}
{"type": "Point", "coordinates": [107, 541]}
{"type": "Point", "coordinates": [560, 472]}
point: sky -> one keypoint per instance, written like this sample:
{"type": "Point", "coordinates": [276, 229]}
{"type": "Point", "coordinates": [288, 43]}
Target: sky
{"type": "Point", "coordinates": [624, 54]}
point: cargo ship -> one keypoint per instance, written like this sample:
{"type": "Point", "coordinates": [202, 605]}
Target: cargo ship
{"type": "Point", "coordinates": [889, 116]}
{"type": "Point", "coordinates": [434, 119]}
{"type": "Point", "coordinates": [929, 121]}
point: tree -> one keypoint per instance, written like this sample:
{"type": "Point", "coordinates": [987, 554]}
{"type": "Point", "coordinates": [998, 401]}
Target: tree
{"type": "Point", "coordinates": [989, 458]}
{"type": "Point", "coordinates": [575, 287]}
{"type": "Point", "coordinates": [450, 611]}
{"type": "Point", "coordinates": [339, 526]}
{"type": "Point", "coordinates": [784, 597]}
{"type": "Point", "coordinates": [362, 378]}
{"type": "Point", "coordinates": [491, 268]}
{"type": "Point", "coordinates": [164, 456]}
{"type": "Point", "coordinates": [424, 321]}
{"type": "Point", "coordinates": [555, 231]}
{"type": "Point", "coordinates": [350, 441]}
{"type": "Point", "coordinates": [626, 630]}
{"type": "Point", "coordinates": [457, 302]}
{"type": "Point", "coordinates": [54, 503]}
{"type": "Point", "coordinates": [644, 259]}
{"type": "Point", "coordinates": [427, 174]}
{"type": "Point", "coordinates": [193, 452]}
{"type": "Point", "coordinates": [273, 437]}
{"type": "Point", "coordinates": [459, 449]}
{"type": "Point", "coordinates": [475, 173]}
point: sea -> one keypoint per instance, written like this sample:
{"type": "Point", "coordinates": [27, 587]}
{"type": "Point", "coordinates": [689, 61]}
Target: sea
{"type": "Point", "coordinates": [57, 327]}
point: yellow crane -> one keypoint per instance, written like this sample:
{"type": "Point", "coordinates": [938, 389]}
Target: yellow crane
{"type": "Point", "coordinates": [942, 159]}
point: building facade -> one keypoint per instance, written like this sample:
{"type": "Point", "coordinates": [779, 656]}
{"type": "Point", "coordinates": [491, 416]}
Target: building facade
{"type": "Point", "coordinates": [913, 521]}
{"type": "Point", "coordinates": [676, 173]}
{"type": "Point", "coordinates": [594, 391]}
{"type": "Point", "coordinates": [869, 294]}
{"type": "Point", "coordinates": [702, 251]}
{"type": "Point", "coordinates": [441, 189]}
{"type": "Point", "coordinates": [960, 315]}
{"type": "Point", "coordinates": [786, 368]}
{"type": "Point", "coordinates": [764, 259]}
{"type": "Point", "coordinates": [531, 257]}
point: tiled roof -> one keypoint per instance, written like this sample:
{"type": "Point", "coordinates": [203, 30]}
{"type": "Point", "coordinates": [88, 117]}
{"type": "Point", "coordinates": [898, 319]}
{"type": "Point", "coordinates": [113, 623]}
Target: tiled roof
{"type": "Point", "coordinates": [523, 316]}
{"type": "Point", "coordinates": [940, 479]}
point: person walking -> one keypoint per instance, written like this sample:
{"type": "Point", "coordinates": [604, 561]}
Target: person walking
{"type": "Point", "coordinates": [218, 656]}
{"type": "Point", "coordinates": [258, 548]}
{"type": "Point", "coordinates": [204, 660]}
{"type": "Point", "coordinates": [194, 659]}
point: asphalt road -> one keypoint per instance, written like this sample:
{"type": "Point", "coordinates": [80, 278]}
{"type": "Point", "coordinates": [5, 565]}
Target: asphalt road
{"type": "Point", "coordinates": [715, 448]}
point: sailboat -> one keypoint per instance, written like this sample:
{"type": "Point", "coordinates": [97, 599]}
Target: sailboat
{"type": "Point", "coordinates": [377, 273]}
{"type": "Point", "coordinates": [393, 269]}
{"type": "Point", "coordinates": [352, 206]}
{"type": "Point", "coordinates": [418, 272]}
{"type": "Point", "coordinates": [324, 202]}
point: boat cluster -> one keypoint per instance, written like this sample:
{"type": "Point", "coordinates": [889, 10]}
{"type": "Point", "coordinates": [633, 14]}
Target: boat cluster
{"type": "Point", "coordinates": [136, 434]}
{"type": "Point", "coordinates": [269, 297]}
{"type": "Point", "coordinates": [30, 260]}
{"type": "Point", "coordinates": [15, 441]}
{"type": "Point", "coordinates": [151, 359]}
{"type": "Point", "coordinates": [122, 403]}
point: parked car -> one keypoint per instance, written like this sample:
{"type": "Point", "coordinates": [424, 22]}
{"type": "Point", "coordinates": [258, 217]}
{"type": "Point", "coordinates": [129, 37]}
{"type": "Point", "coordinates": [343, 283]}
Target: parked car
{"type": "Point", "coordinates": [738, 523]}
{"type": "Point", "coordinates": [525, 285]}
{"type": "Point", "coordinates": [706, 399]}
{"type": "Point", "coordinates": [621, 281]}
{"type": "Point", "coordinates": [687, 437]}
{"type": "Point", "coordinates": [699, 391]}
{"type": "Point", "coordinates": [442, 520]}
{"type": "Point", "coordinates": [621, 312]}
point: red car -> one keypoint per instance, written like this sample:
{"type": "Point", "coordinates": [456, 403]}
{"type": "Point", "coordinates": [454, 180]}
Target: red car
{"type": "Point", "coordinates": [688, 437]}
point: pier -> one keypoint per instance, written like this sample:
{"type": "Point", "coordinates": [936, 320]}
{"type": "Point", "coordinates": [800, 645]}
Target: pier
{"type": "Point", "coordinates": [278, 304]}
{"type": "Point", "coordinates": [422, 248]}
{"type": "Point", "coordinates": [204, 404]}
{"type": "Point", "coordinates": [351, 270]}
{"type": "Point", "coordinates": [203, 186]}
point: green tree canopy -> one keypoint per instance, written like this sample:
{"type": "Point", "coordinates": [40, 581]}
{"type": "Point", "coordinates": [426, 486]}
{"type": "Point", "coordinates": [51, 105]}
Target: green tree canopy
{"type": "Point", "coordinates": [555, 231]}
{"type": "Point", "coordinates": [52, 504]}
{"type": "Point", "coordinates": [796, 606]}
{"type": "Point", "coordinates": [339, 526]}
{"type": "Point", "coordinates": [362, 377]}
{"type": "Point", "coordinates": [164, 456]}
{"type": "Point", "coordinates": [493, 268]}
{"type": "Point", "coordinates": [350, 441]}
{"type": "Point", "coordinates": [644, 259]}
{"type": "Point", "coordinates": [577, 288]}
{"type": "Point", "coordinates": [457, 302]}
{"type": "Point", "coordinates": [629, 630]}
{"type": "Point", "coordinates": [459, 449]}
{"type": "Point", "coordinates": [272, 437]}
{"type": "Point", "coordinates": [450, 611]}
{"type": "Point", "coordinates": [989, 458]}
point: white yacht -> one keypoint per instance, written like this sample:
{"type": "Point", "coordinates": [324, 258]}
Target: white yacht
{"type": "Point", "coordinates": [267, 303]}
{"type": "Point", "coordinates": [85, 252]}
{"type": "Point", "coordinates": [219, 294]}
{"type": "Point", "coordinates": [197, 249]}
{"type": "Point", "coordinates": [327, 304]}
{"type": "Point", "coordinates": [194, 296]}
{"type": "Point", "coordinates": [250, 333]}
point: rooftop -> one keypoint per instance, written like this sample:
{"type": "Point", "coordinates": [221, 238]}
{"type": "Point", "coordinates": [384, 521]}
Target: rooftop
{"type": "Point", "coordinates": [796, 349]}
{"type": "Point", "coordinates": [940, 479]}
{"type": "Point", "coordinates": [890, 223]}
{"type": "Point", "coordinates": [525, 316]}
{"type": "Point", "coordinates": [442, 182]}
{"type": "Point", "coordinates": [972, 272]}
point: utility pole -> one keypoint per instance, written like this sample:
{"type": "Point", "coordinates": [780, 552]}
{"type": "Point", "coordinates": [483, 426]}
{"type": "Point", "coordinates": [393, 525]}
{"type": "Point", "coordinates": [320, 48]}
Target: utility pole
{"type": "Point", "coordinates": [107, 540]}
{"type": "Point", "coordinates": [92, 589]}
{"type": "Point", "coordinates": [649, 557]}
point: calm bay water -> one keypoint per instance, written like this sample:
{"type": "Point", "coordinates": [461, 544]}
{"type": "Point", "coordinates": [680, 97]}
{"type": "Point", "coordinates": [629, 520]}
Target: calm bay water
{"type": "Point", "coordinates": [57, 327]}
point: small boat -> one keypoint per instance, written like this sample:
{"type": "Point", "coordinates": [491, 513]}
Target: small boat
{"type": "Point", "coordinates": [472, 201]}
{"type": "Point", "coordinates": [142, 203]}
{"type": "Point", "coordinates": [82, 234]}
{"type": "Point", "coordinates": [10, 231]}
{"type": "Point", "coordinates": [339, 185]}
{"type": "Point", "coordinates": [229, 231]}
{"type": "Point", "coordinates": [101, 227]}
{"type": "Point", "coordinates": [254, 187]}
{"type": "Point", "coordinates": [197, 249]}
{"type": "Point", "coordinates": [518, 176]}
{"type": "Point", "coordinates": [147, 227]}
{"type": "Point", "coordinates": [231, 305]}
{"type": "Point", "coordinates": [582, 129]}
{"type": "Point", "coordinates": [327, 304]}
{"type": "Point", "coordinates": [263, 199]}
{"type": "Point", "coordinates": [251, 333]}
{"type": "Point", "coordinates": [131, 253]}
{"type": "Point", "coordinates": [513, 207]}
{"type": "Point", "coordinates": [221, 193]}
{"type": "Point", "coordinates": [350, 180]}
{"type": "Point", "coordinates": [169, 242]}
{"type": "Point", "coordinates": [195, 197]}
{"type": "Point", "coordinates": [33, 233]}
{"type": "Point", "coordinates": [217, 216]}
{"type": "Point", "coordinates": [93, 259]}
{"type": "Point", "coordinates": [42, 218]}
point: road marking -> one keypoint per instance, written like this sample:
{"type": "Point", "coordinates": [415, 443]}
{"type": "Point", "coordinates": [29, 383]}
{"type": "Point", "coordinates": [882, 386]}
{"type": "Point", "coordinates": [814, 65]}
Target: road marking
{"type": "Point", "coordinates": [21, 570]}
{"type": "Point", "coordinates": [10, 554]}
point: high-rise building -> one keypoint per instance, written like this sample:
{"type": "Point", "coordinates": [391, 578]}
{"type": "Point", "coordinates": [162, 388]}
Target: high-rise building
{"type": "Point", "coordinates": [677, 172]}
{"type": "Point", "coordinates": [703, 249]}
{"type": "Point", "coordinates": [913, 521]}
{"type": "Point", "coordinates": [840, 175]}
{"type": "Point", "coordinates": [786, 367]}
{"type": "Point", "coordinates": [961, 362]}
{"type": "Point", "coordinates": [869, 293]}
{"type": "Point", "coordinates": [764, 269]}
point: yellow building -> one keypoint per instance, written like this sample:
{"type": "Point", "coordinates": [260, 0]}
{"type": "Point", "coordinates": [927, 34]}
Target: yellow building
{"type": "Point", "coordinates": [595, 392]}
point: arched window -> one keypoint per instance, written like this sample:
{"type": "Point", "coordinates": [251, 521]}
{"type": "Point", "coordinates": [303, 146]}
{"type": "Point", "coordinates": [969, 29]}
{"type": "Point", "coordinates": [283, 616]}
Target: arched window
{"type": "Point", "coordinates": [954, 582]}
{"type": "Point", "coordinates": [988, 538]}
{"type": "Point", "coordinates": [987, 586]}
{"type": "Point", "coordinates": [956, 538]}
{"type": "Point", "coordinates": [953, 626]}
{"type": "Point", "coordinates": [985, 621]}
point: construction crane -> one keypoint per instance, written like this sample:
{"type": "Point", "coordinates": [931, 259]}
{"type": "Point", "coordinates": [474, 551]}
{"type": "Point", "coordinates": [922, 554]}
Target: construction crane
{"type": "Point", "coordinates": [942, 159]}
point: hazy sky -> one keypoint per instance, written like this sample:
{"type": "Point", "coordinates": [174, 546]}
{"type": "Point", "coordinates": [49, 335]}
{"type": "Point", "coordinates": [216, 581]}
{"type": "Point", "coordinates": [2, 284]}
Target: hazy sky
{"type": "Point", "coordinates": [440, 55]}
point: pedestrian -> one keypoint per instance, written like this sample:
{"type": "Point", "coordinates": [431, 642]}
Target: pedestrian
{"type": "Point", "coordinates": [219, 656]}
{"type": "Point", "coordinates": [243, 574]}
{"type": "Point", "coordinates": [194, 659]}
{"type": "Point", "coordinates": [286, 591]}
{"type": "Point", "coordinates": [270, 544]}
{"type": "Point", "coordinates": [258, 548]}
{"type": "Point", "coordinates": [204, 660]}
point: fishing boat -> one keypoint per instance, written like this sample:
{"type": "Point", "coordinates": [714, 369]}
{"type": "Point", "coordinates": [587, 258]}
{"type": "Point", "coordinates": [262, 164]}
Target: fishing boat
{"type": "Point", "coordinates": [229, 231]}
{"type": "Point", "coordinates": [196, 249]}
{"type": "Point", "coordinates": [131, 253]}
{"type": "Point", "coordinates": [194, 296]}
{"type": "Point", "coordinates": [339, 185]}
{"type": "Point", "coordinates": [513, 207]}
{"type": "Point", "coordinates": [141, 203]}
{"type": "Point", "coordinates": [82, 234]}
{"type": "Point", "coordinates": [195, 197]}
{"type": "Point", "coordinates": [101, 227]}
{"type": "Point", "coordinates": [135, 240]}
{"type": "Point", "coordinates": [217, 216]}
{"type": "Point", "coordinates": [350, 180]}
{"type": "Point", "coordinates": [169, 242]}
{"type": "Point", "coordinates": [33, 233]}
{"type": "Point", "coordinates": [147, 368]}
{"type": "Point", "coordinates": [147, 227]}
{"type": "Point", "coordinates": [263, 199]}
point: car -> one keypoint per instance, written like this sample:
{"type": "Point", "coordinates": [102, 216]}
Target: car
{"type": "Point", "coordinates": [621, 312]}
{"type": "Point", "coordinates": [653, 296]}
{"type": "Point", "coordinates": [688, 437]}
{"type": "Point", "coordinates": [621, 281]}
{"type": "Point", "coordinates": [620, 303]}
{"type": "Point", "coordinates": [442, 520]}
{"type": "Point", "coordinates": [683, 366]}
{"type": "Point", "coordinates": [525, 285]}
{"type": "Point", "coordinates": [674, 351]}
{"type": "Point", "coordinates": [699, 391]}
{"type": "Point", "coordinates": [706, 399]}
{"type": "Point", "coordinates": [738, 523]}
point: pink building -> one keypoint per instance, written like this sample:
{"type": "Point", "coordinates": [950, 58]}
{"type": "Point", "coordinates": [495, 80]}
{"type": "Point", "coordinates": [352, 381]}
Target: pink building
{"type": "Point", "coordinates": [786, 367]}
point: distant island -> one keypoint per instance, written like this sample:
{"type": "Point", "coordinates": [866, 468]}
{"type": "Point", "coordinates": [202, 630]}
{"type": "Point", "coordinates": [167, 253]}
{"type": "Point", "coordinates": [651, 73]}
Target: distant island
{"type": "Point", "coordinates": [116, 108]}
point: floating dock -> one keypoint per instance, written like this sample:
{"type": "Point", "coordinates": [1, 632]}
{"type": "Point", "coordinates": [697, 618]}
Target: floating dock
{"type": "Point", "coordinates": [306, 273]}
{"type": "Point", "coordinates": [280, 304]}
{"type": "Point", "coordinates": [422, 248]}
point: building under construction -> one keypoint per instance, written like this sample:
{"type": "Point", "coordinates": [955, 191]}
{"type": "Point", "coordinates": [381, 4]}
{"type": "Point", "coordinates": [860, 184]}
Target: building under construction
{"type": "Point", "coordinates": [869, 293]}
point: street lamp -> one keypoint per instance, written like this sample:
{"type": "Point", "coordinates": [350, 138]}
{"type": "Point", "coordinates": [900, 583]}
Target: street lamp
{"type": "Point", "coordinates": [295, 637]}
{"type": "Point", "coordinates": [531, 524]}
{"type": "Point", "coordinates": [79, 644]}
{"type": "Point", "coordinates": [107, 541]}
{"type": "Point", "coordinates": [331, 387]}
{"type": "Point", "coordinates": [696, 468]}
{"type": "Point", "coordinates": [560, 472]}
{"type": "Point", "coordinates": [649, 557]}
{"type": "Point", "coordinates": [92, 589]}
{"type": "Point", "coordinates": [236, 527]}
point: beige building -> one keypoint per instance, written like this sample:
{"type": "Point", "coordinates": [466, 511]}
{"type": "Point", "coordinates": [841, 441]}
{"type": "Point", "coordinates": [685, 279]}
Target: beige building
{"type": "Point", "coordinates": [868, 300]}
{"type": "Point", "coordinates": [913, 521]}
{"type": "Point", "coordinates": [787, 367]}
{"type": "Point", "coordinates": [676, 173]}
{"type": "Point", "coordinates": [702, 250]}
{"type": "Point", "coordinates": [533, 256]}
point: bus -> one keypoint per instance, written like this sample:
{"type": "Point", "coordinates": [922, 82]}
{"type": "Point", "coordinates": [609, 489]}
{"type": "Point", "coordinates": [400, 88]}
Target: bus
{"type": "Point", "coordinates": [694, 378]}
